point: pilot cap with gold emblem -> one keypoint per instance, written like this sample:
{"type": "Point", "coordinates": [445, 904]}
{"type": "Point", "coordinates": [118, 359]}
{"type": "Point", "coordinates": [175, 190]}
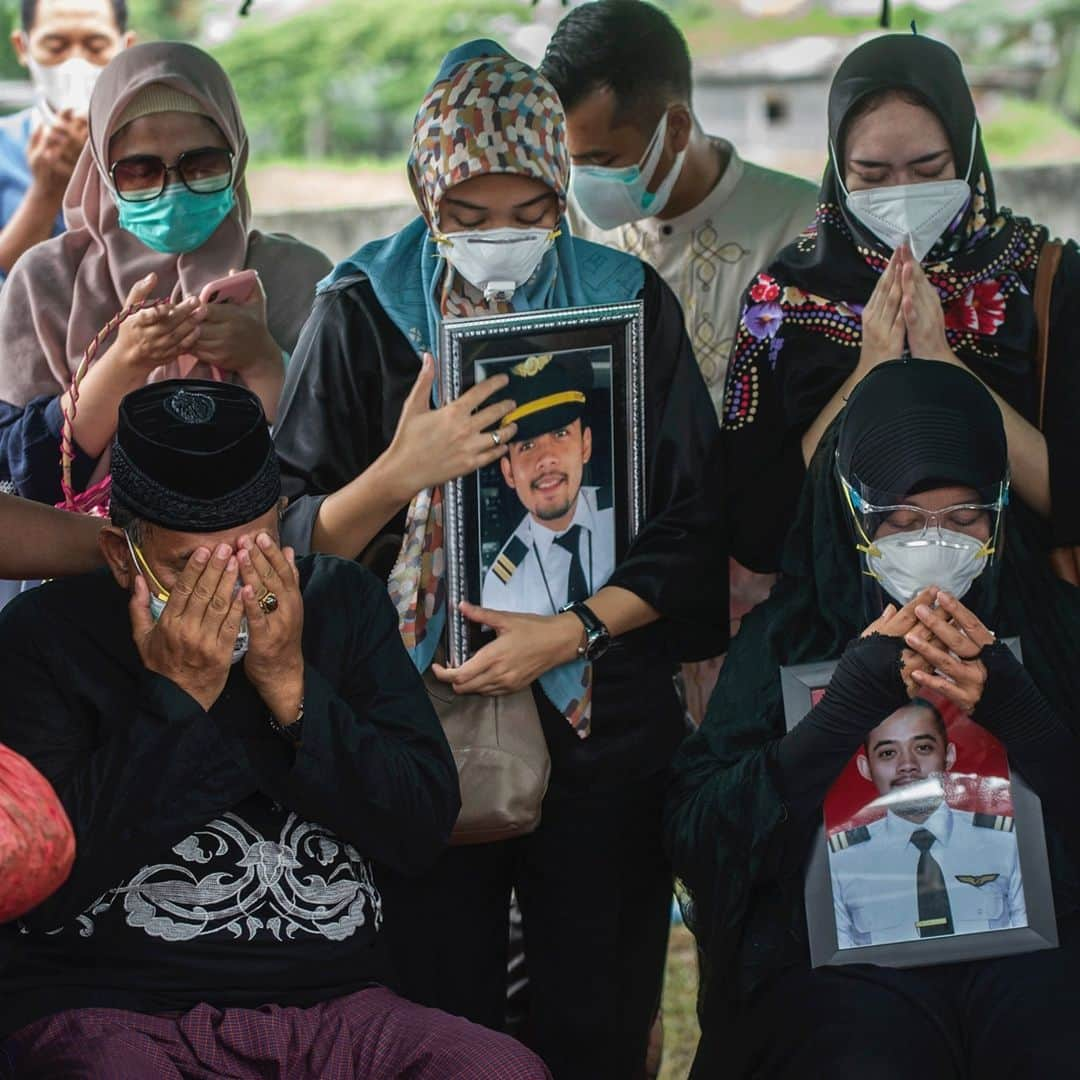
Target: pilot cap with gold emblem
{"type": "Point", "coordinates": [549, 393]}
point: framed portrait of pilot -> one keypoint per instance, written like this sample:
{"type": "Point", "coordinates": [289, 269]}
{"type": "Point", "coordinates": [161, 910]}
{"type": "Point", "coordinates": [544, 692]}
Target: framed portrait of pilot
{"type": "Point", "coordinates": [546, 524]}
{"type": "Point", "coordinates": [931, 849]}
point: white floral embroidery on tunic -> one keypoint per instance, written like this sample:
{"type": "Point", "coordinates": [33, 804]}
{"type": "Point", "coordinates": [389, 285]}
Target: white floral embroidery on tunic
{"type": "Point", "coordinates": [263, 893]}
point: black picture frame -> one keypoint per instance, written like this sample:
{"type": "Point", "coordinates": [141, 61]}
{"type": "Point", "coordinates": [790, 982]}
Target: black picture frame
{"type": "Point", "coordinates": [610, 338]}
{"type": "Point", "coordinates": [798, 685]}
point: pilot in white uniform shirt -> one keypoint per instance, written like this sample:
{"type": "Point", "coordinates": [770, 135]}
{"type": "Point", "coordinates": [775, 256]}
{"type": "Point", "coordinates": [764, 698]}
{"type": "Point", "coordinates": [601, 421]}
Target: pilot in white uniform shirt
{"type": "Point", "coordinates": [563, 548]}
{"type": "Point", "coordinates": [875, 877]}
{"type": "Point", "coordinates": [531, 573]}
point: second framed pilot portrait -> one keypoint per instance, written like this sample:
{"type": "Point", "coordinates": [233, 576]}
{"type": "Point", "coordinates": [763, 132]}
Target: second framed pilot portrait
{"type": "Point", "coordinates": [931, 848]}
{"type": "Point", "coordinates": [546, 524]}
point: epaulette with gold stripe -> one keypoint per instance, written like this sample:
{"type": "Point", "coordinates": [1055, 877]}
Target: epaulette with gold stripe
{"type": "Point", "coordinates": [509, 559]}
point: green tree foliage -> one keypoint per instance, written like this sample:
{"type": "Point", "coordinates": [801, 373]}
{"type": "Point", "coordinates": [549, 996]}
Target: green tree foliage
{"type": "Point", "coordinates": [9, 20]}
{"type": "Point", "coordinates": [995, 30]}
{"type": "Point", "coordinates": [346, 78]}
{"type": "Point", "coordinates": [175, 20]}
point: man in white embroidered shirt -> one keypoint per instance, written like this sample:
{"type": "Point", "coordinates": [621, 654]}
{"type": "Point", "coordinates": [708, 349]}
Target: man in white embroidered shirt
{"type": "Point", "coordinates": [563, 548]}
{"type": "Point", "coordinates": [924, 869]}
{"type": "Point", "coordinates": [244, 749]}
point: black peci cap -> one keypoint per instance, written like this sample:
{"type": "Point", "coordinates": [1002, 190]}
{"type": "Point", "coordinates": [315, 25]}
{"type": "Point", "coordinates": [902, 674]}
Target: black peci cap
{"type": "Point", "coordinates": [194, 456]}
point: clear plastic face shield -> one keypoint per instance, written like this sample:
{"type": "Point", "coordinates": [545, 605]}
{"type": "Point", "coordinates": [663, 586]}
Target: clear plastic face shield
{"type": "Point", "coordinates": [906, 547]}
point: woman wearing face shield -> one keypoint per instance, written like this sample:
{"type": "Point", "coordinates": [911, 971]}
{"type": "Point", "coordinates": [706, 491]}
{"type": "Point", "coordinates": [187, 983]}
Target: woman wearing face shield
{"type": "Point", "coordinates": [910, 255]}
{"type": "Point", "coordinates": [157, 207]}
{"type": "Point", "coordinates": [908, 494]}
{"type": "Point", "coordinates": [364, 453]}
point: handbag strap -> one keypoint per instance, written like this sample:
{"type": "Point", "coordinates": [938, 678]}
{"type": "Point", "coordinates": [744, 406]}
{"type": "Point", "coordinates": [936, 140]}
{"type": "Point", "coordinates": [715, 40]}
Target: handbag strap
{"type": "Point", "coordinates": [67, 438]}
{"type": "Point", "coordinates": [1049, 261]}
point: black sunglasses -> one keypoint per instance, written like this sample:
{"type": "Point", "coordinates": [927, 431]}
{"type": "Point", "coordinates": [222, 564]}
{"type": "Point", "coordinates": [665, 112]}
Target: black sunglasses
{"type": "Point", "coordinates": [142, 177]}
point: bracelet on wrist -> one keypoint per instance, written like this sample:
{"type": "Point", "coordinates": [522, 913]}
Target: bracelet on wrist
{"type": "Point", "coordinates": [292, 732]}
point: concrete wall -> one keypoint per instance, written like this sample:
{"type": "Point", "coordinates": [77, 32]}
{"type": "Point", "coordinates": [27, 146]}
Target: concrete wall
{"type": "Point", "coordinates": [1049, 194]}
{"type": "Point", "coordinates": [338, 232]}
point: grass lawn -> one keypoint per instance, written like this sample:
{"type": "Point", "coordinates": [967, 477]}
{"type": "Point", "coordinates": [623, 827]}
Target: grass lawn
{"type": "Point", "coordinates": [680, 996]}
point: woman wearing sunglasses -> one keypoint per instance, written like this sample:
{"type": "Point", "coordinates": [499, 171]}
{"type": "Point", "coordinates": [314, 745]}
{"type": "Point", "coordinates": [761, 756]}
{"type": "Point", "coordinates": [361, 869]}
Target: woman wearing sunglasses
{"type": "Point", "coordinates": [157, 207]}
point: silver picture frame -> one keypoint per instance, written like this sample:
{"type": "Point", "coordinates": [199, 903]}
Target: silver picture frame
{"type": "Point", "coordinates": [798, 685]}
{"type": "Point", "coordinates": [467, 347]}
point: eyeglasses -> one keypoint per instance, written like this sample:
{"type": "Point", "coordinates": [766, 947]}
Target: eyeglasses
{"type": "Point", "coordinates": [970, 518]}
{"type": "Point", "coordinates": [962, 518]}
{"type": "Point", "coordinates": [142, 177]}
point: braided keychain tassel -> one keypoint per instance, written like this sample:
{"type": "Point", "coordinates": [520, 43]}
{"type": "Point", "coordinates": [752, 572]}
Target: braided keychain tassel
{"type": "Point", "coordinates": [95, 500]}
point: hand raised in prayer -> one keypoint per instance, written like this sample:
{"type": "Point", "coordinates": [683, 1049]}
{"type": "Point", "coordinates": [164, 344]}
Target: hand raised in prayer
{"type": "Point", "coordinates": [899, 622]}
{"type": "Point", "coordinates": [192, 642]}
{"type": "Point", "coordinates": [53, 150]}
{"type": "Point", "coordinates": [274, 663]}
{"type": "Point", "coordinates": [924, 317]}
{"type": "Point", "coordinates": [525, 648]}
{"type": "Point", "coordinates": [882, 319]}
{"type": "Point", "coordinates": [431, 446]}
{"type": "Point", "coordinates": [952, 657]}
{"type": "Point", "coordinates": [154, 336]}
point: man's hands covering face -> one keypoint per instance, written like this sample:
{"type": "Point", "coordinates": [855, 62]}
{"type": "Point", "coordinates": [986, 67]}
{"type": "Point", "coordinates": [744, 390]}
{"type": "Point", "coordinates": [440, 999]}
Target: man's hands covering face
{"type": "Point", "coordinates": [274, 662]}
{"type": "Point", "coordinates": [192, 643]}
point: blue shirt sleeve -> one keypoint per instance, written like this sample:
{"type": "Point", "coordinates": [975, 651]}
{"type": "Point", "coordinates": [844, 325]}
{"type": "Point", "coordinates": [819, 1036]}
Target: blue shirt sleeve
{"type": "Point", "coordinates": [30, 450]}
{"type": "Point", "coordinates": [15, 176]}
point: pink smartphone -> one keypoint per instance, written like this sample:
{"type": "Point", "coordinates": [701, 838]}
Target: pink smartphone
{"type": "Point", "coordinates": [235, 289]}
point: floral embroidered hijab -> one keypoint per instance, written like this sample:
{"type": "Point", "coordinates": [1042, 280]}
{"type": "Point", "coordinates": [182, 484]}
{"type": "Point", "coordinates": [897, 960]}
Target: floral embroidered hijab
{"type": "Point", "coordinates": [801, 322]}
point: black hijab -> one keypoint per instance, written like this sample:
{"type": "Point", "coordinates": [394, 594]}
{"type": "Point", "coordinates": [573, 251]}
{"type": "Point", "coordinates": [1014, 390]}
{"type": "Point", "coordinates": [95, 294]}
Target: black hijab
{"type": "Point", "coordinates": [983, 267]}
{"type": "Point", "coordinates": [894, 438]}
{"type": "Point", "coordinates": [913, 425]}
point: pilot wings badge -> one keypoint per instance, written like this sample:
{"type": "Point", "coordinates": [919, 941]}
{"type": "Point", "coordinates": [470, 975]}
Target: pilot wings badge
{"type": "Point", "coordinates": [978, 880]}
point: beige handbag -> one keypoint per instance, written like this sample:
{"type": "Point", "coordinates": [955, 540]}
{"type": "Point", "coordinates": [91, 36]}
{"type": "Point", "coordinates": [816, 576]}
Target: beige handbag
{"type": "Point", "coordinates": [502, 761]}
{"type": "Point", "coordinates": [497, 742]}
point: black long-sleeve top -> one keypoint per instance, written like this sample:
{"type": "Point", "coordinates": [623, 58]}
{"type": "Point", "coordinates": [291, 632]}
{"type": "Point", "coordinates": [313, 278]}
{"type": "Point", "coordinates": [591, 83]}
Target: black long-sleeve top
{"type": "Point", "coordinates": [746, 805]}
{"type": "Point", "coordinates": [350, 374]}
{"type": "Point", "coordinates": [215, 862]}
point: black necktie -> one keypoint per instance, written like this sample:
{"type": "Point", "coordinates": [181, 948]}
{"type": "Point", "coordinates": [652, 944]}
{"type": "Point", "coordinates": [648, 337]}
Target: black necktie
{"type": "Point", "coordinates": [935, 915]}
{"type": "Point", "coordinates": [576, 589]}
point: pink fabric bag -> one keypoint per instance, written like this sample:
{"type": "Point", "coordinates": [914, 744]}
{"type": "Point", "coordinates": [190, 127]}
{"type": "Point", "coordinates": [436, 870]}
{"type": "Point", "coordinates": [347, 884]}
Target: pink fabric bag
{"type": "Point", "coordinates": [37, 843]}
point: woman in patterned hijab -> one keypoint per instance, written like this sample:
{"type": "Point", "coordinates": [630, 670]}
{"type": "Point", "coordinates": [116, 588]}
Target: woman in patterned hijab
{"type": "Point", "coordinates": [901, 120]}
{"type": "Point", "coordinates": [364, 456]}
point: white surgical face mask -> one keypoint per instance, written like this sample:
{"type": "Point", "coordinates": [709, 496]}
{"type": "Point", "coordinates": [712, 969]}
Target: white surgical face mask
{"type": "Point", "coordinates": [496, 261]}
{"type": "Point", "coordinates": [610, 197]}
{"type": "Point", "coordinates": [159, 597]}
{"type": "Point", "coordinates": [67, 85]}
{"type": "Point", "coordinates": [905, 563]}
{"type": "Point", "coordinates": [916, 214]}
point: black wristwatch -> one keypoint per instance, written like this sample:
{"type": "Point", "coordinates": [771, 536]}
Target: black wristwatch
{"type": "Point", "coordinates": [597, 638]}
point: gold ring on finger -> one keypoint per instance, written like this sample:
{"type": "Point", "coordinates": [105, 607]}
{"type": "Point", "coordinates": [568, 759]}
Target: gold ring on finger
{"type": "Point", "coordinates": [268, 602]}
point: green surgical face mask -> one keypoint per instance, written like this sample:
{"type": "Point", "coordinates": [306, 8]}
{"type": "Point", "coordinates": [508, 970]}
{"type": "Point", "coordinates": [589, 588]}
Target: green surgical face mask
{"type": "Point", "coordinates": [178, 220]}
